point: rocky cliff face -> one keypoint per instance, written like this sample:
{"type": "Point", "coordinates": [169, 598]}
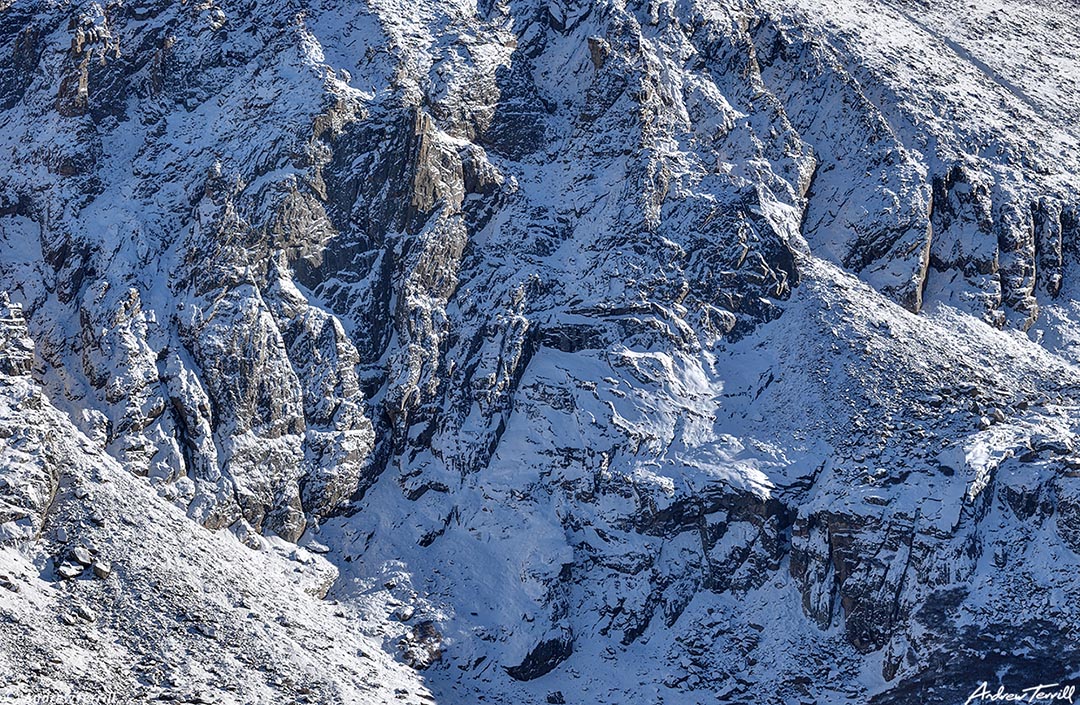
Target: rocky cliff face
{"type": "Point", "coordinates": [648, 352]}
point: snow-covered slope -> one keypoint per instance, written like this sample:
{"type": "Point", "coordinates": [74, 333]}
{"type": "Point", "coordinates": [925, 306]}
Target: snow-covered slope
{"type": "Point", "coordinates": [663, 351]}
{"type": "Point", "coordinates": [112, 595]}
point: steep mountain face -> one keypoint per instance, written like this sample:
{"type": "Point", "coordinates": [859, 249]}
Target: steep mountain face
{"type": "Point", "coordinates": [674, 352]}
{"type": "Point", "coordinates": [111, 594]}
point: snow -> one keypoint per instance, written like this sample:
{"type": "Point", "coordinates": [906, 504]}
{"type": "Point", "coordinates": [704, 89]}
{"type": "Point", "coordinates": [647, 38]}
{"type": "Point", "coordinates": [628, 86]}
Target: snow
{"type": "Point", "coordinates": [641, 328]}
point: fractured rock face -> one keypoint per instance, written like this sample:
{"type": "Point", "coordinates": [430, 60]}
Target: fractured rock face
{"type": "Point", "coordinates": [647, 337]}
{"type": "Point", "coordinates": [16, 348]}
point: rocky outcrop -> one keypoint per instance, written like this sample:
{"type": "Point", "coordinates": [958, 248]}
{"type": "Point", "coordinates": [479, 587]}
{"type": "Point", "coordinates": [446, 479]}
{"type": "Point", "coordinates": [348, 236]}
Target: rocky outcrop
{"type": "Point", "coordinates": [16, 348]}
{"type": "Point", "coordinates": [26, 488]}
{"type": "Point", "coordinates": [867, 204]}
{"type": "Point", "coordinates": [86, 544]}
{"type": "Point", "coordinates": [611, 343]}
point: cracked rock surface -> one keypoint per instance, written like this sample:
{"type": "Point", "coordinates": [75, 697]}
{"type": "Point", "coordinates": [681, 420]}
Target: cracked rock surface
{"type": "Point", "coordinates": [564, 351]}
